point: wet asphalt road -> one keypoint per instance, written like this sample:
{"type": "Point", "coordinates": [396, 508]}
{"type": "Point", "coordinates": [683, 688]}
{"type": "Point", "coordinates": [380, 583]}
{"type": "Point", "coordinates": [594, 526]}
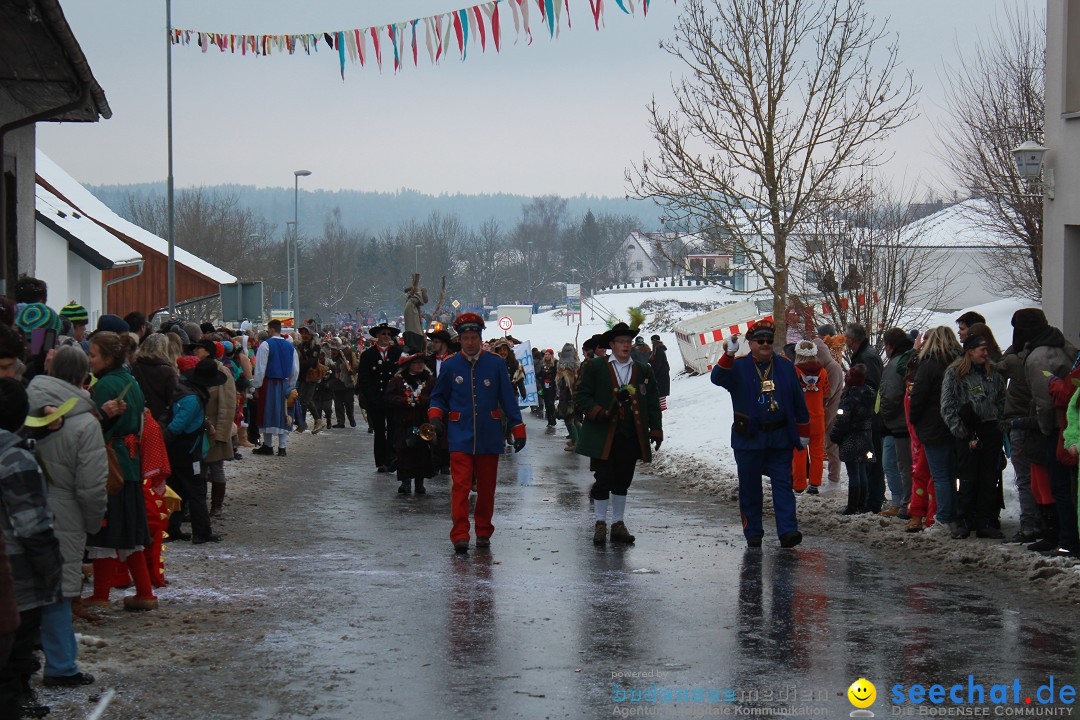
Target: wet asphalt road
{"type": "Point", "coordinates": [390, 622]}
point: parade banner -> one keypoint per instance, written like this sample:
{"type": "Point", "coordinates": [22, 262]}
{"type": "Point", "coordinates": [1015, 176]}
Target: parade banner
{"type": "Point", "coordinates": [438, 34]}
{"type": "Point", "coordinates": [523, 353]}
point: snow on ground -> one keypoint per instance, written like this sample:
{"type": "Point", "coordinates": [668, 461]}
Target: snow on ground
{"type": "Point", "coordinates": [697, 454]}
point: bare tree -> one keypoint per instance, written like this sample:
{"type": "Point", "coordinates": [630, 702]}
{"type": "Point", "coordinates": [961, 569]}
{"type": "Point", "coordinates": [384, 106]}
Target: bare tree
{"type": "Point", "coordinates": [867, 265]}
{"type": "Point", "coordinates": [332, 261]}
{"type": "Point", "coordinates": [996, 99]}
{"type": "Point", "coordinates": [777, 116]}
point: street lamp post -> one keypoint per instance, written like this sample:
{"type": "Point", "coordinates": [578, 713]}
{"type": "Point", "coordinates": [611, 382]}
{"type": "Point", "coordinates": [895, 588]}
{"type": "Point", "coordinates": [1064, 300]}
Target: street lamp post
{"type": "Point", "coordinates": [297, 174]}
{"type": "Point", "coordinates": [290, 230]}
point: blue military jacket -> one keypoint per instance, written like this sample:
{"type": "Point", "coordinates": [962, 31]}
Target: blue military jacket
{"type": "Point", "coordinates": [472, 398]}
{"type": "Point", "coordinates": [740, 378]}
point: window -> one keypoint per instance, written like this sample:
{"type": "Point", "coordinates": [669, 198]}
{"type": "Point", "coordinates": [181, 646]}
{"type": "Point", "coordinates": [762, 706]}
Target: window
{"type": "Point", "coordinates": [638, 265]}
{"type": "Point", "coordinates": [1071, 59]}
{"type": "Point", "coordinates": [813, 277]}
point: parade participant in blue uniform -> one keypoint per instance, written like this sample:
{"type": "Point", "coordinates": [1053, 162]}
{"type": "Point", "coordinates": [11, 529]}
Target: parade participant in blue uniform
{"type": "Point", "coordinates": [471, 394]}
{"type": "Point", "coordinates": [771, 420]}
{"type": "Point", "coordinates": [277, 368]}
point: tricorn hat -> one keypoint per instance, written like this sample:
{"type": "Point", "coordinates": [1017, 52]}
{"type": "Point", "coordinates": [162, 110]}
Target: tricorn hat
{"type": "Point", "coordinates": [375, 329]}
{"type": "Point", "coordinates": [442, 335]}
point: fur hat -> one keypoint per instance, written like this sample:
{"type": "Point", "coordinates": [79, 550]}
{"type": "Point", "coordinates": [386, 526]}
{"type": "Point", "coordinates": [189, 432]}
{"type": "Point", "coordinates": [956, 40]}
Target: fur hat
{"type": "Point", "coordinates": [805, 351]}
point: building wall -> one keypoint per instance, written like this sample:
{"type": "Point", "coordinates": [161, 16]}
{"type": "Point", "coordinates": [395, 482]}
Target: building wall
{"type": "Point", "coordinates": [150, 291]}
{"type": "Point", "coordinates": [19, 159]}
{"type": "Point", "coordinates": [1061, 216]}
{"type": "Point", "coordinates": [68, 276]}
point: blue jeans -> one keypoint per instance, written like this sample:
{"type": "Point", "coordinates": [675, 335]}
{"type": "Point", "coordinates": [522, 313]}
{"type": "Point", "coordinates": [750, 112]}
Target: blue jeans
{"type": "Point", "coordinates": [892, 470]}
{"type": "Point", "coordinates": [58, 640]}
{"type": "Point", "coordinates": [942, 462]}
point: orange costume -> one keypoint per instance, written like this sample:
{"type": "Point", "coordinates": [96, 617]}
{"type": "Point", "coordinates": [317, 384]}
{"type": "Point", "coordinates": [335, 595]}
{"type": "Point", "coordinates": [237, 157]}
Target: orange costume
{"type": "Point", "coordinates": [814, 380]}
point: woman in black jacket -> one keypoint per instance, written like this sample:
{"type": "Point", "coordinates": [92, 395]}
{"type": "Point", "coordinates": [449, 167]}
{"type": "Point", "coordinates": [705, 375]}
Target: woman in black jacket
{"type": "Point", "coordinates": [939, 350]}
{"type": "Point", "coordinates": [155, 370]}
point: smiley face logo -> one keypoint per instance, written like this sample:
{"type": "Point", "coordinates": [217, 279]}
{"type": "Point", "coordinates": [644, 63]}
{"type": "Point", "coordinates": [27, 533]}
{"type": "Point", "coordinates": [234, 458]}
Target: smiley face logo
{"type": "Point", "coordinates": [862, 693]}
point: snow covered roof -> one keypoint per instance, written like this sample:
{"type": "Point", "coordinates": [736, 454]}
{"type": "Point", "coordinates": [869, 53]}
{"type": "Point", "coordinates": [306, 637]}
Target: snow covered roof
{"type": "Point", "coordinates": [954, 227]}
{"type": "Point", "coordinates": [82, 200]}
{"type": "Point", "coordinates": [86, 238]}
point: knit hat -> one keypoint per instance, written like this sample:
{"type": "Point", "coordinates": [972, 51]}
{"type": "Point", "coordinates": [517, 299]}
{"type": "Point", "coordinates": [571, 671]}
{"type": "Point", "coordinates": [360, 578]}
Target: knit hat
{"type": "Point", "coordinates": [37, 315]}
{"type": "Point", "coordinates": [76, 313]}
{"type": "Point", "coordinates": [194, 332]}
{"type": "Point", "coordinates": [1027, 322]}
{"type": "Point", "coordinates": [112, 323]}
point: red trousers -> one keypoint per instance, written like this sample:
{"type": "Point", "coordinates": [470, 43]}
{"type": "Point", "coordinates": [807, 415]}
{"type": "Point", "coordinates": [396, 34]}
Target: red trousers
{"type": "Point", "coordinates": [816, 452]}
{"type": "Point", "coordinates": [463, 467]}
{"type": "Point", "coordinates": [922, 484]}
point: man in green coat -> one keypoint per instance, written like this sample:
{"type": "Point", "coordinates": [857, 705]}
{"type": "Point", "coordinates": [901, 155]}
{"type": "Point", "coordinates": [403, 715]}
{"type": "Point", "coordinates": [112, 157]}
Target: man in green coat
{"type": "Point", "coordinates": [622, 415]}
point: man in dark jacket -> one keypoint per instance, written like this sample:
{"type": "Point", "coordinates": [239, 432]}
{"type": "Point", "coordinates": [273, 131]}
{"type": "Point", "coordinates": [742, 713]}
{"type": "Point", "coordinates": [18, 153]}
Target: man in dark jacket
{"type": "Point", "coordinates": [376, 366]}
{"type": "Point", "coordinates": [858, 344]}
{"type": "Point", "coordinates": [1021, 420]}
{"type": "Point", "coordinates": [661, 369]}
{"type": "Point", "coordinates": [896, 443]}
{"type": "Point", "coordinates": [308, 350]}
{"type": "Point", "coordinates": [32, 549]}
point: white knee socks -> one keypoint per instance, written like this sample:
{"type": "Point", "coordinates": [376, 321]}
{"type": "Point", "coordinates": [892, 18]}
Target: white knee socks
{"type": "Point", "coordinates": [618, 505]}
{"type": "Point", "coordinates": [600, 506]}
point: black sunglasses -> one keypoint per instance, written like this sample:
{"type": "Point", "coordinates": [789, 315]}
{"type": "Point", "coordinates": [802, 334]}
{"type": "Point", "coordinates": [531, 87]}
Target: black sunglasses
{"type": "Point", "coordinates": [763, 341]}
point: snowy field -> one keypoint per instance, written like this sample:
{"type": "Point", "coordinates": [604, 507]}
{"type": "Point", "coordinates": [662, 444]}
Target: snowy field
{"type": "Point", "coordinates": [697, 452]}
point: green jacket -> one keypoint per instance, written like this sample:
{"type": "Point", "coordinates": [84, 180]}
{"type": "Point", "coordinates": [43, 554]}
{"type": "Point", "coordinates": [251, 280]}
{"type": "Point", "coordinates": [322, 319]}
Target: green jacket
{"type": "Point", "coordinates": [1072, 428]}
{"type": "Point", "coordinates": [598, 391]}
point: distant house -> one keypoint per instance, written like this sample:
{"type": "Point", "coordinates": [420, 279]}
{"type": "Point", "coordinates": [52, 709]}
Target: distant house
{"type": "Point", "coordinates": [649, 255]}
{"type": "Point", "coordinates": [144, 288]}
{"type": "Point", "coordinates": [957, 250]}
{"type": "Point", "coordinates": [44, 77]}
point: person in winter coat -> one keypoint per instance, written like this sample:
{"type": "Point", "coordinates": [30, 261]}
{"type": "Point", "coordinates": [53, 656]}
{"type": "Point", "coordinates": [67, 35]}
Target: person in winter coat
{"type": "Point", "coordinates": [861, 351]}
{"type": "Point", "coordinates": [832, 403]}
{"type": "Point", "coordinates": [1050, 356]}
{"type": "Point", "coordinates": [896, 443]}
{"type": "Point", "coordinates": [973, 406]}
{"type": "Point", "coordinates": [545, 382]}
{"type": "Point", "coordinates": [342, 367]}
{"type": "Point", "coordinates": [661, 369]}
{"type": "Point", "coordinates": [641, 352]}
{"type": "Point", "coordinates": [185, 429]}
{"type": "Point", "coordinates": [852, 432]}
{"type": "Point", "coordinates": [566, 373]}
{"type": "Point", "coordinates": [376, 366]}
{"type": "Point", "coordinates": [409, 396]}
{"type": "Point", "coordinates": [309, 351]}
{"type": "Point", "coordinates": [1021, 421]}
{"type": "Point", "coordinates": [10, 692]}
{"type": "Point", "coordinates": [324, 391]}
{"type": "Point", "coordinates": [220, 412]}
{"type": "Point", "coordinates": [125, 533]}
{"type": "Point", "coordinates": [940, 348]}
{"type": "Point", "coordinates": [76, 466]}
{"type": "Point", "coordinates": [32, 550]}
{"type": "Point", "coordinates": [155, 371]}
{"type": "Point", "coordinates": [814, 381]}
{"type": "Point", "coordinates": [771, 420]}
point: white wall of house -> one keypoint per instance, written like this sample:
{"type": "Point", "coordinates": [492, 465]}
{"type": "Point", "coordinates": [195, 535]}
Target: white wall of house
{"type": "Point", "coordinates": [1061, 216]}
{"type": "Point", "coordinates": [19, 159]}
{"type": "Point", "coordinates": [67, 275]}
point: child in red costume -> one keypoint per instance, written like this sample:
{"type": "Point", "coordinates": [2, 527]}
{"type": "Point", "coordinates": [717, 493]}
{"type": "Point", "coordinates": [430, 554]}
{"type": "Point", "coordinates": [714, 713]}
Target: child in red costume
{"type": "Point", "coordinates": [814, 380]}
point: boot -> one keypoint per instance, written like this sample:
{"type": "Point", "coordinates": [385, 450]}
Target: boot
{"type": "Point", "coordinates": [406, 485]}
{"type": "Point", "coordinates": [143, 599]}
{"type": "Point", "coordinates": [852, 501]}
{"type": "Point", "coordinates": [103, 574]}
{"type": "Point", "coordinates": [217, 498]}
{"type": "Point", "coordinates": [599, 536]}
{"type": "Point", "coordinates": [914, 525]}
{"type": "Point", "coordinates": [1049, 540]}
{"type": "Point", "coordinates": [420, 490]}
{"type": "Point", "coordinates": [619, 533]}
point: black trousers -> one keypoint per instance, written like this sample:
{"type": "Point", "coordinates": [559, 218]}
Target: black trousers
{"type": "Point", "coordinates": [614, 475]}
{"type": "Point", "coordinates": [253, 421]}
{"type": "Point", "coordinates": [549, 405]}
{"type": "Point", "coordinates": [876, 472]}
{"type": "Point", "coordinates": [21, 662]}
{"type": "Point", "coordinates": [343, 405]}
{"type": "Point", "coordinates": [192, 490]}
{"type": "Point", "coordinates": [979, 471]}
{"type": "Point", "coordinates": [379, 420]}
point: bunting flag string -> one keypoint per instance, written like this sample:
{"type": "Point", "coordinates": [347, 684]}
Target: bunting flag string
{"type": "Point", "coordinates": [475, 23]}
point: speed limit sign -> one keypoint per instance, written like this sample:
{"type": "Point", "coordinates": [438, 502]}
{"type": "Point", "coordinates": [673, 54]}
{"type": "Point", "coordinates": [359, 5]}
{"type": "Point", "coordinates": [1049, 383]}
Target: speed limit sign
{"type": "Point", "coordinates": [505, 323]}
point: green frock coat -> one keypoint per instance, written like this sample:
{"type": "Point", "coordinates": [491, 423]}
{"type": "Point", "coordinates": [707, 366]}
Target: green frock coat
{"type": "Point", "coordinates": [597, 391]}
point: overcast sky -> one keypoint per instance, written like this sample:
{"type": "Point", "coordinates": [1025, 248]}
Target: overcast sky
{"type": "Point", "coordinates": [562, 116]}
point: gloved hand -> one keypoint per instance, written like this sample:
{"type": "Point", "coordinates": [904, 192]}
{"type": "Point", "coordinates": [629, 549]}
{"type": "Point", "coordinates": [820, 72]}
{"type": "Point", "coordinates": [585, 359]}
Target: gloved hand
{"type": "Point", "coordinates": [519, 444]}
{"type": "Point", "coordinates": [804, 442]}
{"type": "Point", "coordinates": [731, 345]}
{"type": "Point", "coordinates": [439, 425]}
{"type": "Point", "coordinates": [602, 417]}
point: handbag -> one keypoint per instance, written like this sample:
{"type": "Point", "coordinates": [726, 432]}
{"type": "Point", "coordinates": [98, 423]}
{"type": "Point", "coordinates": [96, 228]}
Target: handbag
{"type": "Point", "coordinates": [114, 483]}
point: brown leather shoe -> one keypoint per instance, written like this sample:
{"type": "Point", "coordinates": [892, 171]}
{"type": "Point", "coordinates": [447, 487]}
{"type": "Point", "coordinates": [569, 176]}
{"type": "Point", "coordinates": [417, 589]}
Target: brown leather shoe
{"type": "Point", "coordinates": [599, 536]}
{"type": "Point", "coordinates": [914, 525]}
{"type": "Point", "coordinates": [619, 533]}
{"type": "Point", "coordinates": [135, 603]}
{"type": "Point", "coordinates": [891, 512]}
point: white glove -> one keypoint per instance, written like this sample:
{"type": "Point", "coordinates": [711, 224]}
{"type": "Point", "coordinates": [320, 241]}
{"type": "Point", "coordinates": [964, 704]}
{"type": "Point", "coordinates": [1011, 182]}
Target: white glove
{"type": "Point", "coordinates": [804, 442]}
{"type": "Point", "coordinates": [731, 345]}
